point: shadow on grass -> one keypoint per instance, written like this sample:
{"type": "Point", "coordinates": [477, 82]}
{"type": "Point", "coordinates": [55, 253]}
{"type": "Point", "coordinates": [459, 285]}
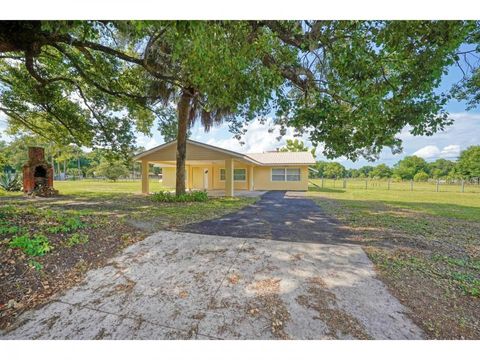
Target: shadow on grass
{"type": "Point", "coordinates": [325, 190]}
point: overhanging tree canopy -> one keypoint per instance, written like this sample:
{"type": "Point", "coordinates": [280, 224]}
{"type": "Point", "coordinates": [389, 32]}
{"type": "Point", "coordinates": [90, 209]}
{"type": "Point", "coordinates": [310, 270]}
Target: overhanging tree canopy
{"type": "Point", "coordinates": [353, 85]}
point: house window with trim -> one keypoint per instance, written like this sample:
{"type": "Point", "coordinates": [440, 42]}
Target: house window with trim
{"type": "Point", "coordinates": [278, 174]}
{"type": "Point", "coordinates": [293, 174]}
{"type": "Point", "coordinates": [286, 174]}
{"type": "Point", "coordinates": [238, 174]}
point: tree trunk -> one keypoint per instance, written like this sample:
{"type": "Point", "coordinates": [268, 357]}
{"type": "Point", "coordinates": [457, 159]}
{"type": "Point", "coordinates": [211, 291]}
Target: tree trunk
{"type": "Point", "coordinates": [183, 109]}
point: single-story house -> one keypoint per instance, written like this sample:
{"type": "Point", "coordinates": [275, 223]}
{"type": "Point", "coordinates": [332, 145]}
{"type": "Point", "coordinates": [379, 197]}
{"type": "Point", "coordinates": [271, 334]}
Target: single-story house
{"type": "Point", "coordinates": [212, 168]}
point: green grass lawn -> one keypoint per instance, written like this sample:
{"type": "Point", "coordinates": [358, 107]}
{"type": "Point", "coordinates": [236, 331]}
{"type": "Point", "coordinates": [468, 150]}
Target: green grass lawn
{"type": "Point", "coordinates": [425, 246]}
{"type": "Point", "coordinates": [98, 187]}
{"type": "Point", "coordinates": [447, 204]}
{"type": "Point", "coordinates": [80, 187]}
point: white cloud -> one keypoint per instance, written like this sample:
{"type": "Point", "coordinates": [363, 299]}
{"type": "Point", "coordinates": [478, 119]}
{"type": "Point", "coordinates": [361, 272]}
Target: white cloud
{"type": "Point", "coordinates": [147, 142]}
{"type": "Point", "coordinates": [428, 152]}
{"type": "Point", "coordinates": [450, 151]}
{"type": "Point", "coordinates": [431, 152]}
{"type": "Point", "coordinates": [258, 138]}
{"type": "Point", "coordinates": [151, 143]}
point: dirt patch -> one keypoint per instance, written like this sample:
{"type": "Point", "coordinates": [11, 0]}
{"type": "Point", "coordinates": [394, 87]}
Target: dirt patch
{"type": "Point", "coordinates": [339, 323]}
{"type": "Point", "coordinates": [27, 281]}
{"type": "Point", "coordinates": [211, 252]}
{"type": "Point", "coordinates": [233, 279]}
{"type": "Point", "coordinates": [267, 304]}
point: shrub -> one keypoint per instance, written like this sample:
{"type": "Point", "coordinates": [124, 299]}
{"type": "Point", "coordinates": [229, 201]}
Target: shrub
{"type": "Point", "coordinates": [35, 246]}
{"type": "Point", "coordinates": [112, 170]}
{"type": "Point", "coordinates": [193, 196]}
{"type": "Point", "coordinates": [420, 176]}
{"type": "Point", "coordinates": [10, 181]}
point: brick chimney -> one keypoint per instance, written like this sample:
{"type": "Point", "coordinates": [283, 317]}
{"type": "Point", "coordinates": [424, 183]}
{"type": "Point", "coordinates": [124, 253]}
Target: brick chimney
{"type": "Point", "coordinates": [38, 174]}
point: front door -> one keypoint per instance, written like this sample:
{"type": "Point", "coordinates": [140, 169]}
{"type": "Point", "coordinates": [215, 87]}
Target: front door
{"type": "Point", "coordinates": [205, 178]}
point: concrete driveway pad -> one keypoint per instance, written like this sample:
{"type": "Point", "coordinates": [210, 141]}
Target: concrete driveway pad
{"type": "Point", "coordinates": [181, 285]}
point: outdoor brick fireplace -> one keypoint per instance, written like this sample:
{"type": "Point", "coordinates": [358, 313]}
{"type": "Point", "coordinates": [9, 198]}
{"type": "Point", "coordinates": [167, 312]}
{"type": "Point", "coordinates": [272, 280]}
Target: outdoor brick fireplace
{"type": "Point", "coordinates": [38, 174]}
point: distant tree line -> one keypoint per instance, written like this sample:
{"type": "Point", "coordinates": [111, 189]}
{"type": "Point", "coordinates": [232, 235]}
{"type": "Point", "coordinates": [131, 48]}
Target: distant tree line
{"type": "Point", "coordinates": [415, 168]}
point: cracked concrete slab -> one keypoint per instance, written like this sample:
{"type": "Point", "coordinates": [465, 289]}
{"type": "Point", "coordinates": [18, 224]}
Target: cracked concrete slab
{"type": "Point", "coordinates": [192, 286]}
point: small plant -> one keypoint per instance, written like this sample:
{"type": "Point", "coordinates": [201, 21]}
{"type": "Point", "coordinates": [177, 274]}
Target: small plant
{"type": "Point", "coordinates": [68, 225]}
{"type": "Point", "coordinates": [37, 245]}
{"type": "Point", "coordinates": [6, 229]}
{"type": "Point", "coordinates": [468, 283]}
{"type": "Point", "coordinates": [76, 239]}
{"type": "Point", "coordinates": [194, 196]}
{"type": "Point", "coordinates": [10, 181]}
{"type": "Point", "coordinates": [36, 265]}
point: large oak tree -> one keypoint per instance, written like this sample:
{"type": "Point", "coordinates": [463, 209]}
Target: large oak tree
{"type": "Point", "coordinates": [352, 85]}
{"type": "Point", "coordinates": [90, 82]}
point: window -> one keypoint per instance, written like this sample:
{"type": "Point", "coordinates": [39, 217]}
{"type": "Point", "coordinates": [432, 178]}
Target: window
{"type": "Point", "coordinates": [286, 174]}
{"type": "Point", "coordinates": [293, 174]}
{"type": "Point", "coordinates": [278, 174]}
{"type": "Point", "coordinates": [238, 174]}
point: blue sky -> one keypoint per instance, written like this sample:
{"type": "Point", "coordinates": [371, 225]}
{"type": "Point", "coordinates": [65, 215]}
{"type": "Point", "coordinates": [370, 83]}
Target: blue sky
{"type": "Point", "coordinates": [447, 144]}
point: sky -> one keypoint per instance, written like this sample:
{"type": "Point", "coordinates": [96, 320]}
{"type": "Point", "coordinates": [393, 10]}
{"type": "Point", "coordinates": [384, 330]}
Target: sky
{"type": "Point", "coordinates": [259, 137]}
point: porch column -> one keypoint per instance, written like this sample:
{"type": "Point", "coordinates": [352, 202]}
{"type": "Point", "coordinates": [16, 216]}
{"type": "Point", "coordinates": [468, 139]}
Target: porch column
{"type": "Point", "coordinates": [250, 178]}
{"type": "Point", "coordinates": [189, 181]}
{"type": "Point", "coordinates": [145, 182]}
{"type": "Point", "coordinates": [229, 177]}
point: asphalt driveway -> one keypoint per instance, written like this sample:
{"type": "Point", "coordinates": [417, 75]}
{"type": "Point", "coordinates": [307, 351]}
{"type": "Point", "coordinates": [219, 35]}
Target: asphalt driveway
{"type": "Point", "coordinates": [278, 215]}
{"type": "Point", "coordinates": [247, 285]}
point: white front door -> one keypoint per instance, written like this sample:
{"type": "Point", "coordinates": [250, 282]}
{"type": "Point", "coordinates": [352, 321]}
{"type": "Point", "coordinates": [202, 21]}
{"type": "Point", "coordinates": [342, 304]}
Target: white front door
{"type": "Point", "coordinates": [205, 178]}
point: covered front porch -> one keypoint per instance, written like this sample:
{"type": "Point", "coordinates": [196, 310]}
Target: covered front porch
{"type": "Point", "coordinates": [207, 167]}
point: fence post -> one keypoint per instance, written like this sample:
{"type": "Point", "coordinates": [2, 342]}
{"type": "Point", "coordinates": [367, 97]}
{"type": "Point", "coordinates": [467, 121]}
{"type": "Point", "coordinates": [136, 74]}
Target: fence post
{"type": "Point", "coordinates": [388, 184]}
{"type": "Point", "coordinates": [366, 184]}
{"type": "Point", "coordinates": [334, 179]}
{"type": "Point", "coordinates": [322, 181]}
{"type": "Point", "coordinates": [463, 185]}
{"type": "Point", "coordinates": [438, 183]}
{"type": "Point", "coordinates": [411, 185]}
{"type": "Point", "coordinates": [344, 183]}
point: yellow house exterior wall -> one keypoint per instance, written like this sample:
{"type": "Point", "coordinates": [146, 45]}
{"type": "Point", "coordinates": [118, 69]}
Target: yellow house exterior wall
{"type": "Point", "coordinates": [262, 178]}
{"type": "Point", "coordinates": [195, 176]}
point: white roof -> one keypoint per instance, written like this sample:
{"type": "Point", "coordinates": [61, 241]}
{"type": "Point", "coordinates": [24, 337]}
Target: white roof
{"type": "Point", "coordinates": [283, 158]}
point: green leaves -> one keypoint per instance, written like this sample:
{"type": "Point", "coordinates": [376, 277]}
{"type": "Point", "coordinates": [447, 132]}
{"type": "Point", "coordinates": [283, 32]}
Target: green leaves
{"type": "Point", "coordinates": [352, 85]}
{"type": "Point", "coordinates": [410, 166]}
{"type": "Point", "coordinates": [370, 79]}
{"type": "Point", "coordinates": [111, 169]}
{"type": "Point", "coordinates": [469, 163]}
{"type": "Point", "coordinates": [37, 245]}
{"type": "Point", "coordinates": [168, 197]}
